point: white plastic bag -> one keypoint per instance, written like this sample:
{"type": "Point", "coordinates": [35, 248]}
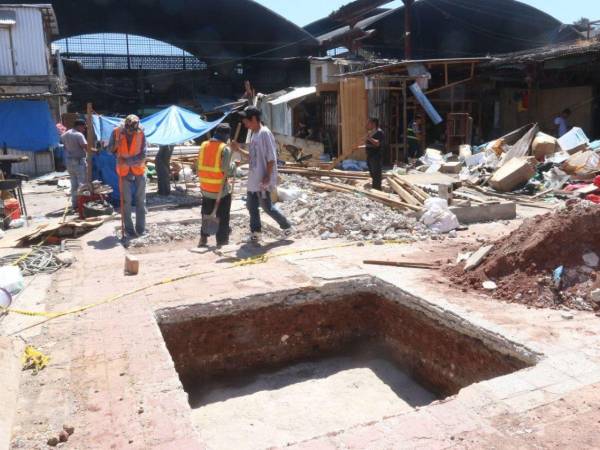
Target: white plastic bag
{"type": "Point", "coordinates": [438, 217]}
{"type": "Point", "coordinates": [289, 194]}
{"type": "Point", "coordinates": [11, 279]}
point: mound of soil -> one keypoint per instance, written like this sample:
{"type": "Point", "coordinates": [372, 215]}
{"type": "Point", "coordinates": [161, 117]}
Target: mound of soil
{"type": "Point", "coordinates": [522, 264]}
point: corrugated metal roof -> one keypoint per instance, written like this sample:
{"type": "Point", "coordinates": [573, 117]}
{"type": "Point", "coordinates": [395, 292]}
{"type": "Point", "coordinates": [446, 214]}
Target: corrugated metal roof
{"type": "Point", "coordinates": [295, 94]}
{"type": "Point", "coordinates": [541, 54]}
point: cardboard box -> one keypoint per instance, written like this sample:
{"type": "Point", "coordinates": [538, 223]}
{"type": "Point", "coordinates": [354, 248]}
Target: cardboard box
{"type": "Point", "coordinates": [544, 145]}
{"type": "Point", "coordinates": [451, 167]}
{"type": "Point", "coordinates": [513, 174]}
{"type": "Point", "coordinates": [574, 140]}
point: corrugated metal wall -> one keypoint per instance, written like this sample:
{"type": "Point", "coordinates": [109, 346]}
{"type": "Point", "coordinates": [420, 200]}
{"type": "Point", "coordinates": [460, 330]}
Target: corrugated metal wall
{"type": "Point", "coordinates": [39, 163]}
{"type": "Point", "coordinates": [29, 42]}
{"type": "Point", "coordinates": [6, 67]}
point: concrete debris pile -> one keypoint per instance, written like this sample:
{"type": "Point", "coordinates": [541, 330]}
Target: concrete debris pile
{"type": "Point", "coordinates": [549, 261]}
{"type": "Point", "coordinates": [525, 161]}
{"type": "Point", "coordinates": [331, 215]}
{"type": "Point", "coordinates": [178, 199]}
{"type": "Point", "coordinates": [159, 234]}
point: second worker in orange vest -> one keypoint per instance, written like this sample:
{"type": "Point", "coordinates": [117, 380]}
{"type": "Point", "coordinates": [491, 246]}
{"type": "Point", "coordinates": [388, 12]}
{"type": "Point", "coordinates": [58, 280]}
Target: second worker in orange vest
{"type": "Point", "coordinates": [215, 167]}
{"type": "Point", "coordinates": [128, 142]}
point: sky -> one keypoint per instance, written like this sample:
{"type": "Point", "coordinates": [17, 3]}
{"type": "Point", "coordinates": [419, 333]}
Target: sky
{"type": "Point", "coordinates": [303, 12]}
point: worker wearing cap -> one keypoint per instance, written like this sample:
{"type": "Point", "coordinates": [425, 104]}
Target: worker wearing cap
{"type": "Point", "coordinates": [75, 154]}
{"type": "Point", "coordinates": [262, 174]}
{"type": "Point", "coordinates": [215, 166]}
{"type": "Point", "coordinates": [128, 142]}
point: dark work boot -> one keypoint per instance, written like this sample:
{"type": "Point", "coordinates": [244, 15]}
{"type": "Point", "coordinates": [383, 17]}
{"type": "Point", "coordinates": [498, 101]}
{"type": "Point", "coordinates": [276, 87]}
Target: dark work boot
{"type": "Point", "coordinates": [203, 241]}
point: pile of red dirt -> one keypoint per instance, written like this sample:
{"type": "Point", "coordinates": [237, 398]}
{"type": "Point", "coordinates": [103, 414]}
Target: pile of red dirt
{"type": "Point", "coordinates": [522, 264]}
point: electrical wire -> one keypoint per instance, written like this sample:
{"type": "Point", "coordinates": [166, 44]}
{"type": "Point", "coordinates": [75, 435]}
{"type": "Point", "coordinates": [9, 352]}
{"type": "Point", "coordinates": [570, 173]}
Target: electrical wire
{"type": "Point", "coordinates": [40, 260]}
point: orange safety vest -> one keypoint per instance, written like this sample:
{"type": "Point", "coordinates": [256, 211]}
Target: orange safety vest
{"type": "Point", "coordinates": [210, 171]}
{"type": "Point", "coordinates": [127, 151]}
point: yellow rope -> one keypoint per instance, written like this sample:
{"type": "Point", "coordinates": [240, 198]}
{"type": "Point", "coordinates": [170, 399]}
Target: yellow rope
{"type": "Point", "coordinates": [260, 259]}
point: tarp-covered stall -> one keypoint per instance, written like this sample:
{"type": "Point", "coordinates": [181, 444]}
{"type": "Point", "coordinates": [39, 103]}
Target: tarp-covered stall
{"type": "Point", "coordinates": [173, 125]}
{"type": "Point", "coordinates": [27, 125]}
{"type": "Point", "coordinates": [170, 126]}
{"type": "Point", "coordinates": [27, 128]}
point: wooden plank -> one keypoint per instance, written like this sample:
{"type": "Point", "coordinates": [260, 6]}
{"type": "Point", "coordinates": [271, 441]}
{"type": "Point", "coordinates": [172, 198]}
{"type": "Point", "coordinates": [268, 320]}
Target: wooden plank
{"type": "Point", "coordinates": [405, 264]}
{"type": "Point", "coordinates": [372, 194]}
{"type": "Point", "coordinates": [404, 195]}
{"type": "Point", "coordinates": [354, 115]}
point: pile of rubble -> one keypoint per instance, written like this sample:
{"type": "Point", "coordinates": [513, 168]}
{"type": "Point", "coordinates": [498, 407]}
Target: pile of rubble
{"type": "Point", "coordinates": [549, 261]}
{"type": "Point", "coordinates": [528, 162]}
{"type": "Point", "coordinates": [160, 234]}
{"type": "Point", "coordinates": [178, 199]}
{"type": "Point", "coordinates": [331, 215]}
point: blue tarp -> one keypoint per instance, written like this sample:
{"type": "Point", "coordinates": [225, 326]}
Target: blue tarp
{"type": "Point", "coordinates": [27, 125]}
{"type": "Point", "coordinates": [170, 126]}
{"type": "Point", "coordinates": [104, 164]}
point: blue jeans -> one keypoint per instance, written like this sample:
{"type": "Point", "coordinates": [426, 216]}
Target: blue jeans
{"type": "Point", "coordinates": [139, 184]}
{"type": "Point", "coordinates": [256, 199]}
{"type": "Point", "coordinates": [77, 169]}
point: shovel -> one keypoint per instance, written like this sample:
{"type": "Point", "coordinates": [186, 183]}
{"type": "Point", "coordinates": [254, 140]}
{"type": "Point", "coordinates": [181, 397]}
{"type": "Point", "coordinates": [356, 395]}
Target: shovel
{"type": "Point", "coordinates": [210, 224]}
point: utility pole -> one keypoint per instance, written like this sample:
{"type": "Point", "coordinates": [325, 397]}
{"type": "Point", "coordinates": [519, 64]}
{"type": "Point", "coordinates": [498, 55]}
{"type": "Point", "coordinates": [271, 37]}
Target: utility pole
{"type": "Point", "coordinates": [408, 28]}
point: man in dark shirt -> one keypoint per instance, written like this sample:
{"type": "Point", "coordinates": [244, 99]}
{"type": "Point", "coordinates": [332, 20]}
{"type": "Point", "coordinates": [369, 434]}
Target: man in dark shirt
{"type": "Point", "coordinates": [374, 146]}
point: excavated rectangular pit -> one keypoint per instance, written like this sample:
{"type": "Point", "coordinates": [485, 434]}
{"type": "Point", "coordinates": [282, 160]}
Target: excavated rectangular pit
{"type": "Point", "coordinates": [286, 366]}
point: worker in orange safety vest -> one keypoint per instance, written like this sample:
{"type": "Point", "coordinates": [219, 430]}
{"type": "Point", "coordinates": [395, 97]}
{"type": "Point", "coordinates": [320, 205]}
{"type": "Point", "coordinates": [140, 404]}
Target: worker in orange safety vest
{"type": "Point", "coordinates": [128, 142]}
{"type": "Point", "coordinates": [215, 166]}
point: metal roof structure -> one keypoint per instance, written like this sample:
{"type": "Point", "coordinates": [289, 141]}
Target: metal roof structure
{"type": "Point", "coordinates": [215, 31]}
{"type": "Point", "coordinates": [550, 52]}
{"type": "Point", "coordinates": [453, 29]}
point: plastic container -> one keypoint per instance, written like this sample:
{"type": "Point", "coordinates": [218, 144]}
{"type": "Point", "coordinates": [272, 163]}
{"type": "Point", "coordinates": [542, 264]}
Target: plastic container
{"type": "Point", "coordinates": [12, 209]}
{"type": "Point", "coordinates": [11, 279]}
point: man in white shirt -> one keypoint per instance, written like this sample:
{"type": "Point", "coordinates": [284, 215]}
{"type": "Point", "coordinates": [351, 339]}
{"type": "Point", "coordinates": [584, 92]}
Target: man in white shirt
{"type": "Point", "coordinates": [262, 174]}
{"type": "Point", "coordinates": [75, 154]}
{"type": "Point", "coordinates": [561, 123]}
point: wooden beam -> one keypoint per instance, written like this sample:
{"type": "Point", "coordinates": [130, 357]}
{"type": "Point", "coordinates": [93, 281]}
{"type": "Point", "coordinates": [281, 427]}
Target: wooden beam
{"type": "Point", "coordinates": [328, 87]}
{"type": "Point", "coordinates": [446, 73]}
{"type": "Point", "coordinates": [456, 83]}
{"type": "Point", "coordinates": [90, 141]}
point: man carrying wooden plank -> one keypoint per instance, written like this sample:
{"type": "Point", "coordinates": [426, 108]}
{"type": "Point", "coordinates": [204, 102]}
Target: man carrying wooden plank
{"type": "Point", "coordinates": [374, 144]}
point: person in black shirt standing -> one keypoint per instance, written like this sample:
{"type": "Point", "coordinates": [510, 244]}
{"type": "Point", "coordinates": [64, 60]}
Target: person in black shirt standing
{"type": "Point", "coordinates": [374, 146]}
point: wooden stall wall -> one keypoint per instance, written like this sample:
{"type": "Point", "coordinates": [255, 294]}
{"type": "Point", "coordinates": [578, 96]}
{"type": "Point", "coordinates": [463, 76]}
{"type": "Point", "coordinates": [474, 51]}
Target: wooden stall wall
{"type": "Point", "coordinates": [544, 105]}
{"type": "Point", "coordinates": [354, 115]}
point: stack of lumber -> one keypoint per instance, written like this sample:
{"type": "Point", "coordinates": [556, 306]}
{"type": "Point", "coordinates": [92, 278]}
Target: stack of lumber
{"type": "Point", "coordinates": [408, 192]}
{"type": "Point", "coordinates": [378, 196]}
{"type": "Point", "coordinates": [311, 172]}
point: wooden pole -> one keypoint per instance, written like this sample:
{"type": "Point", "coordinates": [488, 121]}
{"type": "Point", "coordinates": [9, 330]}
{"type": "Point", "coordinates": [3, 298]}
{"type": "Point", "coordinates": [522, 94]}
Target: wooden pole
{"type": "Point", "coordinates": [408, 28]}
{"type": "Point", "coordinates": [90, 142]}
{"type": "Point", "coordinates": [404, 124]}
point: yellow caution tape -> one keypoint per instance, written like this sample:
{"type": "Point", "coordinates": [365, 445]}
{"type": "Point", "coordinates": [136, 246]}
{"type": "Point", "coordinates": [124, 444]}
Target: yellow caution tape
{"type": "Point", "coordinates": [34, 359]}
{"type": "Point", "coordinates": [242, 262]}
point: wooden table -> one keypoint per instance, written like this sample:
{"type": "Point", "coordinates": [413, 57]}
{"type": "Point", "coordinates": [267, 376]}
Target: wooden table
{"type": "Point", "coordinates": [6, 162]}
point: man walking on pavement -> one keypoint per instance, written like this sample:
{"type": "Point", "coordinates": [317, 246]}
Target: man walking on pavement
{"type": "Point", "coordinates": [262, 175]}
{"type": "Point", "coordinates": [214, 168]}
{"type": "Point", "coordinates": [75, 157]}
{"type": "Point", "coordinates": [374, 144]}
{"type": "Point", "coordinates": [128, 142]}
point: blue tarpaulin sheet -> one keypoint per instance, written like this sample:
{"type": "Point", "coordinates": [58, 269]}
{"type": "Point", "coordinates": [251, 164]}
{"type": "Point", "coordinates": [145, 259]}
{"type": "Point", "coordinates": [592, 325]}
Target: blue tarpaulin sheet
{"type": "Point", "coordinates": [27, 125]}
{"type": "Point", "coordinates": [170, 126]}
